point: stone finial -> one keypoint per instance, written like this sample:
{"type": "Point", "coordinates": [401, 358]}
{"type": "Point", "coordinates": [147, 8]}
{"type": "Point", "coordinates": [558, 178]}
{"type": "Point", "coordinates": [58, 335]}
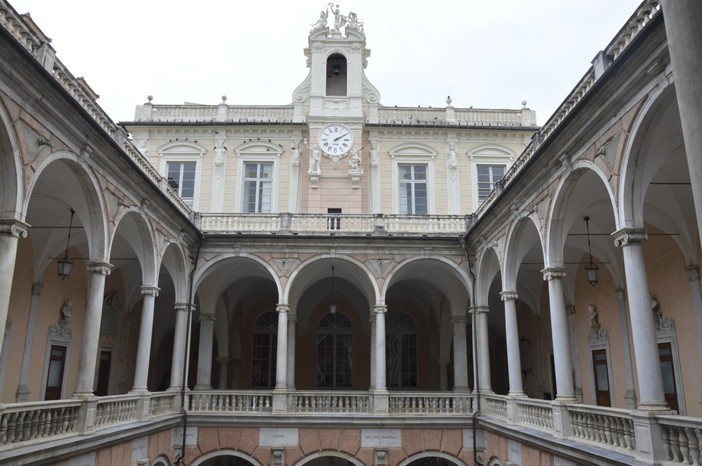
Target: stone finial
{"type": "Point", "coordinates": [448, 101]}
{"type": "Point", "coordinates": [224, 98]}
{"type": "Point", "coordinates": [149, 98]}
{"type": "Point", "coordinates": [524, 103]}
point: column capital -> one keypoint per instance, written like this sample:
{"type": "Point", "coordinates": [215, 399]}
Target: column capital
{"type": "Point", "coordinates": [150, 291]}
{"type": "Point", "coordinates": [479, 309]}
{"type": "Point", "coordinates": [628, 236]}
{"type": "Point", "coordinates": [380, 309]}
{"type": "Point", "coordinates": [553, 273]}
{"type": "Point", "coordinates": [570, 309]}
{"type": "Point", "coordinates": [185, 307]}
{"type": "Point", "coordinates": [693, 273]}
{"type": "Point", "coordinates": [292, 318]}
{"type": "Point", "coordinates": [509, 295]}
{"type": "Point", "coordinates": [36, 288]}
{"type": "Point", "coordinates": [13, 227]}
{"type": "Point", "coordinates": [101, 268]}
{"type": "Point", "coordinates": [443, 361]}
{"type": "Point", "coordinates": [459, 319]}
{"type": "Point", "coordinates": [282, 308]}
{"type": "Point", "coordinates": [207, 318]}
{"type": "Point", "coordinates": [223, 359]}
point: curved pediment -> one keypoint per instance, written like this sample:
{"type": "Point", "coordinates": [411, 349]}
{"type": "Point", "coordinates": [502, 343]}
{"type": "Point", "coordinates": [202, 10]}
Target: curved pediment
{"type": "Point", "coordinates": [491, 150]}
{"type": "Point", "coordinates": [255, 146]}
{"type": "Point", "coordinates": [182, 147]}
{"type": "Point", "coordinates": [413, 150]}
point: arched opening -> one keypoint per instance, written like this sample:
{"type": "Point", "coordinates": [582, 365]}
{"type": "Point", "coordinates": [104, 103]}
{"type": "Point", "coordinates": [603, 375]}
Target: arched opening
{"type": "Point", "coordinates": [336, 75]}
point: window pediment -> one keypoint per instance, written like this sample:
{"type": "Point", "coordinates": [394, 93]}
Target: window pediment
{"type": "Point", "coordinates": [258, 148]}
{"type": "Point", "coordinates": [413, 150]}
{"type": "Point", "coordinates": [491, 151]}
{"type": "Point", "coordinates": [182, 148]}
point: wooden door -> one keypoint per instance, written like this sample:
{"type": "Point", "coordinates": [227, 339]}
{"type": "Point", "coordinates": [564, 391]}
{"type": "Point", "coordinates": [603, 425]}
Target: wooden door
{"type": "Point", "coordinates": [599, 367]}
{"type": "Point", "coordinates": [54, 377]}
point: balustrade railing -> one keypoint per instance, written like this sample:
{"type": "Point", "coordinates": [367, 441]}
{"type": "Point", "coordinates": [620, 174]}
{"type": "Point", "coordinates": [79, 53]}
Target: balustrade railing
{"type": "Point", "coordinates": [23, 422]}
{"type": "Point", "coordinates": [211, 401]}
{"type": "Point", "coordinates": [682, 439]}
{"type": "Point", "coordinates": [325, 402]}
{"type": "Point", "coordinates": [116, 409]}
{"type": "Point", "coordinates": [535, 413]}
{"type": "Point", "coordinates": [328, 224]}
{"type": "Point", "coordinates": [613, 428]}
{"type": "Point", "coordinates": [496, 406]}
{"type": "Point", "coordinates": [430, 404]}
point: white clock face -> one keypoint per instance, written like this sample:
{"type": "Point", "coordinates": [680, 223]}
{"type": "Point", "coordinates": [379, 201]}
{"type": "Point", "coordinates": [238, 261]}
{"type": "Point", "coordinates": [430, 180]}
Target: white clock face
{"type": "Point", "coordinates": [335, 139]}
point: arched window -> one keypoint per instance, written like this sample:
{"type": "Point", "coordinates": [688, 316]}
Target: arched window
{"type": "Point", "coordinates": [336, 75]}
{"type": "Point", "coordinates": [334, 337]}
{"type": "Point", "coordinates": [263, 358]}
{"type": "Point", "coordinates": [401, 350]}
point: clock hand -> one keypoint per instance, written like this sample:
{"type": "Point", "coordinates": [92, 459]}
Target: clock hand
{"type": "Point", "coordinates": [336, 139]}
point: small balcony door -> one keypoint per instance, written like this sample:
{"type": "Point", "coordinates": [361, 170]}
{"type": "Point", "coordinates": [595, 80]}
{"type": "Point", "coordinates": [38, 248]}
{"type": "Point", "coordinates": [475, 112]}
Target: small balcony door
{"type": "Point", "coordinates": [54, 376]}
{"type": "Point", "coordinates": [665, 353]}
{"type": "Point", "coordinates": [599, 366]}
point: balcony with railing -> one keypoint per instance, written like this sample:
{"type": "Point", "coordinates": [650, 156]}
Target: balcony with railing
{"type": "Point", "coordinates": [608, 432]}
{"type": "Point", "coordinates": [333, 224]}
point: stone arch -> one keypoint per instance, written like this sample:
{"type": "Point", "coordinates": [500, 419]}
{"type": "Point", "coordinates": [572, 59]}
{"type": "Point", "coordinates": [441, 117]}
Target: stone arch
{"type": "Point", "coordinates": [79, 190]}
{"type": "Point", "coordinates": [315, 268]}
{"type": "Point", "coordinates": [211, 267]}
{"type": "Point", "coordinates": [11, 185]}
{"type": "Point", "coordinates": [449, 270]}
{"type": "Point", "coordinates": [226, 452]}
{"type": "Point", "coordinates": [562, 216]}
{"type": "Point", "coordinates": [142, 240]}
{"type": "Point", "coordinates": [322, 454]}
{"type": "Point", "coordinates": [431, 454]}
{"type": "Point", "coordinates": [489, 265]}
{"type": "Point", "coordinates": [516, 249]}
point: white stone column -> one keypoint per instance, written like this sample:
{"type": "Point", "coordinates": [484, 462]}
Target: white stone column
{"type": "Point", "coordinates": [460, 354]}
{"type": "Point", "coordinates": [575, 361]}
{"type": "Point", "coordinates": [292, 323]}
{"type": "Point", "coordinates": [482, 346]}
{"type": "Point", "coordinates": [539, 370]}
{"type": "Point", "coordinates": [180, 345]}
{"type": "Point", "coordinates": [223, 372]}
{"type": "Point", "coordinates": [281, 368]}
{"type": "Point", "coordinates": [141, 371]}
{"type": "Point", "coordinates": [630, 395]}
{"type": "Point", "coordinates": [443, 373]}
{"type": "Point", "coordinates": [559, 333]}
{"type": "Point", "coordinates": [643, 328]}
{"type": "Point", "coordinates": [693, 276]}
{"type": "Point", "coordinates": [204, 356]}
{"type": "Point", "coordinates": [514, 362]}
{"type": "Point", "coordinates": [684, 37]}
{"type": "Point", "coordinates": [22, 393]}
{"type": "Point", "coordinates": [10, 232]}
{"type": "Point", "coordinates": [379, 349]}
{"type": "Point", "coordinates": [372, 351]}
{"type": "Point", "coordinates": [87, 360]}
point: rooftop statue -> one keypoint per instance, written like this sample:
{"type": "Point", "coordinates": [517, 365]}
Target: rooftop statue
{"type": "Point", "coordinates": [349, 21]}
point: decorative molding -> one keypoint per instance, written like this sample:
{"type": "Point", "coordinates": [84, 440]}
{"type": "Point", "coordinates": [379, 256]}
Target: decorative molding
{"type": "Point", "coordinates": [629, 236]}
{"type": "Point", "coordinates": [596, 334]}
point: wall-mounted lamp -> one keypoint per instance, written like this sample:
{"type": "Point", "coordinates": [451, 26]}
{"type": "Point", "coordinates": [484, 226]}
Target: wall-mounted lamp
{"type": "Point", "coordinates": [591, 269]}
{"type": "Point", "coordinates": [65, 264]}
{"type": "Point", "coordinates": [332, 306]}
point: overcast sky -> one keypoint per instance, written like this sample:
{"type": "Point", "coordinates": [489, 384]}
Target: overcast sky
{"type": "Point", "coordinates": [483, 53]}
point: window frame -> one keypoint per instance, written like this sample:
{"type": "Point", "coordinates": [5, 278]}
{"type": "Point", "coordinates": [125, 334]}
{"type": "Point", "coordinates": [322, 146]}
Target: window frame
{"type": "Point", "coordinates": [413, 154]}
{"type": "Point", "coordinates": [487, 155]}
{"type": "Point", "coordinates": [257, 152]}
{"type": "Point", "coordinates": [258, 209]}
{"type": "Point", "coordinates": [181, 152]}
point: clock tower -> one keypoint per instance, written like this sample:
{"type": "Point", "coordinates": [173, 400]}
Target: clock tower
{"type": "Point", "coordinates": [335, 100]}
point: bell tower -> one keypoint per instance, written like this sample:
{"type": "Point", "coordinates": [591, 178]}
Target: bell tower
{"type": "Point", "coordinates": [335, 100]}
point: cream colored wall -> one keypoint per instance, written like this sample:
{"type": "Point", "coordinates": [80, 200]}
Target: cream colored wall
{"type": "Point", "coordinates": [334, 186]}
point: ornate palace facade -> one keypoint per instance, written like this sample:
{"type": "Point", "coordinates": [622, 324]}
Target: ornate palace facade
{"type": "Point", "coordinates": [334, 281]}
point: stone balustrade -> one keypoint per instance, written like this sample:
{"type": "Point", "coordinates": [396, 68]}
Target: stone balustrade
{"type": "Point", "coordinates": [331, 224]}
{"type": "Point", "coordinates": [610, 429]}
{"type": "Point", "coordinates": [682, 439]}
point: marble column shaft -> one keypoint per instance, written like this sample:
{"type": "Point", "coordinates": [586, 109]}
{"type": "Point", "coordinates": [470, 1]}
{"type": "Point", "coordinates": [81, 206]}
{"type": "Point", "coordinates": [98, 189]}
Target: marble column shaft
{"type": "Point", "coordinates": [379, 349]}
{"type": "Point", "coordinates": [292, 323]}
{"type": "Point", "coordinates": [87, 359]}
{"type": "Point", "coordinates": [559, 334]}
{"type": "Point", "coordinates": [10, 233]}
{"type": "Point", "coordinates": [146, 326]}
{"type": "Point", "coordinates": [482, 348]}
{"type": "Point", "coordinates": [204, 357]}
{"type": "Point", "coordinates": [281, 367]}
{"type": "Point", "coordinates": [514, 362]}
{"type": "Point", "coordinates": [180, 344]}
{"type": "Point", "coordinates": [22, 393]}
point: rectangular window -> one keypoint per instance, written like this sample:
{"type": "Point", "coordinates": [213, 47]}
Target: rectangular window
{"type": "Point", "coordinates": [181, 177]}
{"type": "Point", "coordinates": [413, 189]}
{"type": "Point", "coordinates": [488, 175]}
{"type": "Point", "coordinates": [258, 187]}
